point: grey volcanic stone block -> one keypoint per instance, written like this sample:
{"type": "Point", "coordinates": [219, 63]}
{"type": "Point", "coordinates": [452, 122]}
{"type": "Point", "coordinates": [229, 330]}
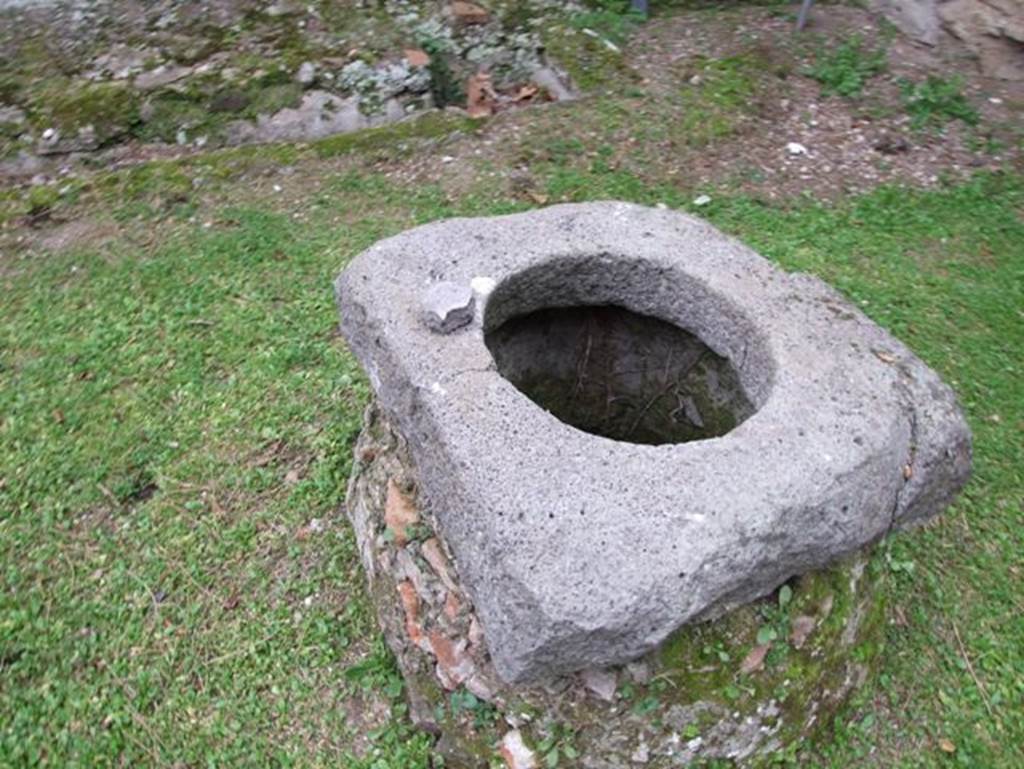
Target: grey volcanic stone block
{"type": "Point", "coordinates": [581, 550]}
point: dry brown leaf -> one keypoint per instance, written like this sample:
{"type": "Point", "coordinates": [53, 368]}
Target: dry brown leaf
{"type": "Point", "coordinates": [908, 472]}
{"type": "Point", "coordinates": [468, 13]}
{"type": "Point", "coordinates": [946, 745]}
{"type": "Point", "coordinates": [480, 95]}
{"type": "Point", "coordinates": [755, 659]}
{"type": "Point", "coordinates": [537, 197]}
{"type": "Point", "coordinates": [399, 513]}
{"type": "Point", "coordinates": [526, 92]}
{"type": "Point", "coordinates": [885, 357]}
{"type": "Point", "coordinates": [416, 57]}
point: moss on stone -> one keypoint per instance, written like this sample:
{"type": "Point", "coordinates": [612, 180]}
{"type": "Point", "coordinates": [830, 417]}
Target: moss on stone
{"type": "Point", "coordinates": [690, 702]}
{"type": "Point", "coordinates": [590, 62]}
{"type": "Point", "coordinates": [169, 112]}
{"type": "Point", "coordinates": [112, 109]}
{"type": "Point", "coordinates": [273, 98]}
{"type": "Point", "coordinates": [427, 125]}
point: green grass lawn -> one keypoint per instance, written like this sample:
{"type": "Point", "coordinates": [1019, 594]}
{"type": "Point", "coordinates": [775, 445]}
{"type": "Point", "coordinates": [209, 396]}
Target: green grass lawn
{"type": "Point", "coordinates": [176, 415]}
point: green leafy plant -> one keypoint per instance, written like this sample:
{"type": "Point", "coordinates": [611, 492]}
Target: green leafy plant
{"type": "Point", "coordinates": [936, 101]}
{"type": "Point", "coordinates": [558, 744]}
{"type": "Point", "coordinates": [845, 70]}
{"type": "Point", "coordinates": [445, 88]}
{"type": "Point", "coordinates": [41, 200]}
{"type": "Point", "coordinates": [463, 701]}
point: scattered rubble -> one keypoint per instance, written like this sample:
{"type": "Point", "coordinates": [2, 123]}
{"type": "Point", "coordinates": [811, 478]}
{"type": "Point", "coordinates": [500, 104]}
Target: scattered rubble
{"type": "Point", "coordinates": [236, 73]}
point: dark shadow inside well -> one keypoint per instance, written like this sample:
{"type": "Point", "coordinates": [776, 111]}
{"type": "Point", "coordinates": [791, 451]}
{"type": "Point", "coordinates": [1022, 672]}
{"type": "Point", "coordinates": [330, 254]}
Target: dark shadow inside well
{"type": "Point", "coordinates": [613, 372]}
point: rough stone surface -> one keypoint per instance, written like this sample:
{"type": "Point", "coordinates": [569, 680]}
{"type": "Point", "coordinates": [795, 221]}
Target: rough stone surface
{"type": "Point", "coordinates": [692, 699]}
{"type": "Point", "coordinates": [577, 551]}
{"type": "Point", "coordinates": [319, 114]}
{"type": "Point", "coordinates": [994, 32]}
{"type": "Point", "coordinates": [917, 19]}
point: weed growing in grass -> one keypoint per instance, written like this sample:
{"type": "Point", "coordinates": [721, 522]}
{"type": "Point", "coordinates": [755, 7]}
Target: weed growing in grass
{"type": "Point", "coordinates": [611, 19]}
{"type": "Point", "coordinates": [937, 101]}
{"type": "Point", "coordinates": [719, 100]}
{"type": "Point", "coordinates": [845, 70]}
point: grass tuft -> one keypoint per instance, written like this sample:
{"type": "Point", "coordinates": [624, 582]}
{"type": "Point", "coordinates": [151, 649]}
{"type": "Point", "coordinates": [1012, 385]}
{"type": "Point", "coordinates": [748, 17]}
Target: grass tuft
{"type": "Point", "coordinates": [846, 68]}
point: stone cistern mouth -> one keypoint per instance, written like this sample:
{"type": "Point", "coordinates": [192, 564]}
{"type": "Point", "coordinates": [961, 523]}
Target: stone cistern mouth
{"type": "Point", "coordinates": [599, 423]}
{"type": "Point", "coordinates": [611, 371]}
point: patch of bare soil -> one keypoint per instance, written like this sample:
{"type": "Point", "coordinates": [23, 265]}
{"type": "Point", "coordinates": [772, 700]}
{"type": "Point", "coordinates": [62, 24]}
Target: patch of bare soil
{"type": "Point", "coordinates": [849, 145]}
{"type": "Point", "coordinates": [709, 102]}
{"type": "Point", "coordinates": [781, 138]}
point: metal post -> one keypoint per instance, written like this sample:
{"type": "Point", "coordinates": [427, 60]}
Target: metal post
{"type": "Point", "coordinates": [801, 20]}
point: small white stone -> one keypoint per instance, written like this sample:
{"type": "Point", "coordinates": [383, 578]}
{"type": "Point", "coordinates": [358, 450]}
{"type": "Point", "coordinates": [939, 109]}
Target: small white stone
{"type": "Point", "coordinates": [641, 755]}
{"type": "Point", "coordinates": [515, 752]}
{"type": "Point", "coordinates": [795, 148]}
{"type": "Point", "coordinates": [702, 200]}
{"type": "Point", "coordinates": [277, 188]}
{"type": "Point", "coordinates": [306, 75]}
{"type": "Point", "coordinates": [994, 100]}
{"type": "Point", "coordinates": [482, 285]}
{"type": "Point", "coordinates": [601, 683]}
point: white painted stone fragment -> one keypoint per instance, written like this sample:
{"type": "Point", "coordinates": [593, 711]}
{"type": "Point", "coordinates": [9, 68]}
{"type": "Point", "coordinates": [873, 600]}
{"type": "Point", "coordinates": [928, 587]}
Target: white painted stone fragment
{"type": "Point", "coordinates": [447, 307]}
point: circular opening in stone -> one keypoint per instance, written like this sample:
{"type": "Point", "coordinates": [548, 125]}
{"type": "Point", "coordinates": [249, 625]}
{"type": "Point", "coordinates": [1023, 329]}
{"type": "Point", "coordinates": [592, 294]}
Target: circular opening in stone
{"type": "Point", "coordinates": [616, 373]}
